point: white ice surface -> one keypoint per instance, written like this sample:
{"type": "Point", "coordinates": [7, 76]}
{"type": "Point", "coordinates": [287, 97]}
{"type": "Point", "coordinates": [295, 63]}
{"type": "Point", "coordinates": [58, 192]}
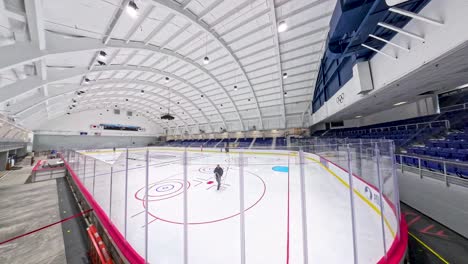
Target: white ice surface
{"type": "Point", "coordinates": [214, 222]}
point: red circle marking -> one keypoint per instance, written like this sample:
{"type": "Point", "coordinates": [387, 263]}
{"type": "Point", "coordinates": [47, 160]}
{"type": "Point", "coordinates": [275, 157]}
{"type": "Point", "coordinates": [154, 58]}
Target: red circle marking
{"type": "Point", "coordinates": [213, 221]}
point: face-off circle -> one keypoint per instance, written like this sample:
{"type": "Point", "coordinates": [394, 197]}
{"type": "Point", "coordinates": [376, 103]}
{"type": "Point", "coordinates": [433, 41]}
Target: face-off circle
{"type": "Point", "coordinates": [206, 204]}
{"type": "Point", "coordinates": [162, 190]}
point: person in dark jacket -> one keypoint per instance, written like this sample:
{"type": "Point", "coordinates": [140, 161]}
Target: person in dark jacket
{"type": "Point", "coordinates": [218, 171]}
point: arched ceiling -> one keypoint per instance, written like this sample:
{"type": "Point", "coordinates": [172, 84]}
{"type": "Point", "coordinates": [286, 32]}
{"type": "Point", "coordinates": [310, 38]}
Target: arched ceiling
{"type": "Point", "coordinates": [48, 49]}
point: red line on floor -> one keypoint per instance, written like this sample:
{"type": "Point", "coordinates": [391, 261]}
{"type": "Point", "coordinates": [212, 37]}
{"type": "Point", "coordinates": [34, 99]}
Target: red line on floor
{"type": "Point", "coordinates": [47, 226]}
{"type": "Point", "coordinates": [137, 214]}
{"type": "Point", "coordinates": [150, 222]}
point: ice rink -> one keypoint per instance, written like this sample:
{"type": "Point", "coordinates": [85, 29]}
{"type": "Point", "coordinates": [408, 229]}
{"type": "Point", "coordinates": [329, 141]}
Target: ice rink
{"type": "Point", "coordinates": [274, 227]}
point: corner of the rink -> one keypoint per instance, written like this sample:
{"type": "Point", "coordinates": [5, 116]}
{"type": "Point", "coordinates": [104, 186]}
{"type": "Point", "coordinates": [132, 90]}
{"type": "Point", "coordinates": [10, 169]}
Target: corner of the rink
{"type": "Point", "coordinates": [127, 251]}
{"type": "Point", "coordinates": [397, 252]}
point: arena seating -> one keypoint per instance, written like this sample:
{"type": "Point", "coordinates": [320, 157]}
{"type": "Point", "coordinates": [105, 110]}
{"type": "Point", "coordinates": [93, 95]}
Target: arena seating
{"type": "Point", "coordinates": [244, 142]}
{"type": "Point", "coordinates": [263, 142]}
{"type": "Point", "coordinates": [281, 142]}
{"type": "Point", "coordinates": [434, 139]}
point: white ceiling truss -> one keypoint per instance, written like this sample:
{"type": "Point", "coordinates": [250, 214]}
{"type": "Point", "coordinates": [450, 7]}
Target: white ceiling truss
{"type": "Point", "coordinates": [168, 38]}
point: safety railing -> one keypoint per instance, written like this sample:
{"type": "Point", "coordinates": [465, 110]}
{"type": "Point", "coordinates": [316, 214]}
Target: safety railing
{"type": "Point", "coordinates": [445, 123]}
{"type": "Point", "coordinates": [456, 107]}
{"type": "Point", "coordinates": [165, 202]}
{"type": "Point", "coordinates": [450, 172]}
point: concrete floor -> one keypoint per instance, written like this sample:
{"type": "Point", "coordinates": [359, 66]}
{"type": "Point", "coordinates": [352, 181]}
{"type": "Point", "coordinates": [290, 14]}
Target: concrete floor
{"type": "Point", "coordinates": [18, 176]}
{"type": "Point", "coordinates": [24, 208]}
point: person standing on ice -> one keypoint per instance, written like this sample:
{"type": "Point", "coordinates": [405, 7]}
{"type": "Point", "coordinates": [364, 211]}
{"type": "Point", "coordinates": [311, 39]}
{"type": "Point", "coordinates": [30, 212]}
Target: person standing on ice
{"type": "Point", "coordinates": [218, 171]}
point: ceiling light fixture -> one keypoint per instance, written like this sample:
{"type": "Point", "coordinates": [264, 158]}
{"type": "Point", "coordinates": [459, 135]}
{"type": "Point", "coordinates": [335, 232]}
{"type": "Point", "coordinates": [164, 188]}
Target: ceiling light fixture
{"type": "Point", "coordinates": [400, 103]}
{"type": "Point", "coordinates": [86, 81]}
{"type": "Point", "coordinates": [132, 9]}
{"type": "Point", "coordinates": [168, 116]}
{"type": "Point", "coordinates": [358, 116]}
{"type": "Point", "coordinates": [235, 87]}
{"type": "Point", "coordinates": [102, 56]}
{"type": "Point", "coordinates": [285, 93]}
{"type": "Point", "coordinates": [282, 26]}
{"type": "Point", "coordinates": [142, 91]}
{"type": "Point", "coordinates": [166, 79]}
{"type": "Point", "coordinates": [206, 60]}
{"type": "Point", "coordinates": [285, 75]}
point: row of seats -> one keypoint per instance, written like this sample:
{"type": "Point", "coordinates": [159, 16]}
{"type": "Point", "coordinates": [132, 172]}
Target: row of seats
{"type": "Point", "coordinates": [263, 142]}
{"type": "Point", "coordinates": [445, 153]}
{"type": "Point", "coordinates": [281, 142]}
{"type": "Point", "coordinates": [454, 144]}
{"type": "Point", "coordinates": [244, 142]}
{"type": "Point", "coordinates": [433, 165]}
{"type": "Point", "coordinates": [241, 142]}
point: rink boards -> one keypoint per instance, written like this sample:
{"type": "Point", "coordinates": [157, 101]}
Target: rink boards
{"type": "Point", "coordinates": [364, 193]}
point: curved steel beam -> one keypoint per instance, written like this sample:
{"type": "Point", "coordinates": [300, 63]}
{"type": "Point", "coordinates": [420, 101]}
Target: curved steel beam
{"type": "Point", "coordinates": [132, 105]}
{"type": "Point", "coordinates": [59, 45]}
{"type": "Point", "coordinates": [129, 106]}
{"type": "Point", "coordinates": [147, 108]}
{"type": "Point", "coordinates": [197, 21]}
{"type": "Point", "coordinates": [160, 72]}
{"type": "Point", "coordinates": [60, 113]}
{"type": "Point", "coordinates": [88, 98]}
{"type": "Point", "coordinates": [278, 57]}
{"type": "Point", "coordinates": [112, 89]}
{"type": "Point", "coordinates": [63, 75]}
{"type": "Point", "coordinates": [141, 46]}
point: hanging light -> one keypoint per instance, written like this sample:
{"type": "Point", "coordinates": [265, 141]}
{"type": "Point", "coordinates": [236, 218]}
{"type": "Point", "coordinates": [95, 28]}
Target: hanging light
{"type": "Point", "coordinates": [282, 26]}
{"type": "Point", "coordinates": [102, 56]}
{"type": "Point", "coordinates": [285, 75]}
{"type": "Point", "coordinates": [167, 79]}
{"type": "Point", "coordinates": [235, 87]}
{"type": "Point", "coordinates": [285, 93]}
{"type": "Point", "coordinates": [206, 60]}
{"type": "Point", "coordinates": [132, 9]}
{"type": "Point", "coordinates": [86, 81]}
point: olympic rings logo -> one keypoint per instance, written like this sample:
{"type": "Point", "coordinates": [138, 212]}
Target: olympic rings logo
{"type": "Point", "coordinates": [340, 99]}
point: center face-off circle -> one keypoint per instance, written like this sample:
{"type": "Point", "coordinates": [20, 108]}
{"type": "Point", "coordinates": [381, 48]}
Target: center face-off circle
{"type": "Point", "coordinates": [205, 204]}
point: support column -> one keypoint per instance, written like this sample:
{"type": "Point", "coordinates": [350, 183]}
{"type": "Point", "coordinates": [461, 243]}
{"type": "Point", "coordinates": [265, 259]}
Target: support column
{"type": "Point", "coordinates": [3, 160]}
